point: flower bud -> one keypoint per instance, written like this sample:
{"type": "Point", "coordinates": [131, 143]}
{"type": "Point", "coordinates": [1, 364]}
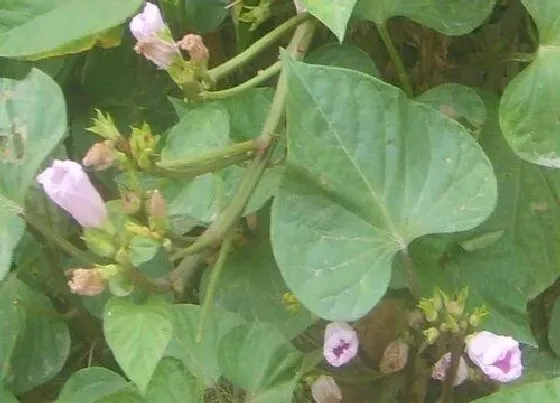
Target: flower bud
{"type": "Point", "coordinates": [325, 390]}
{"type": "Point", "coordinates": [195, 46]}
{"type": "Point", "coordinates": [104, 126]}
{"type": "Point", "coordinates": [157, 211]}
{"type": "Point", "coordinates": [142, 145]}
{"type": "Point", "coordinates": [431, 334]}
{"type": "Point", "coordinates": [131, 203]}
{"type": "Point", "coordinates": [441, 367]}
{"type": "Point", "coordinates": [394, 358]}
{"type": "Point", "coordinates": [87, 282]}
{"type": "Point", "coordinates": [430, 307]}
{"type": "Point", "coordinates": [66, 184]}
{"type": "Point", "coordinates": [340, 343]}
{"type": "Point", "coordinates": [499, 357]}
{"type": "Point", "coordinates": [100, 156]}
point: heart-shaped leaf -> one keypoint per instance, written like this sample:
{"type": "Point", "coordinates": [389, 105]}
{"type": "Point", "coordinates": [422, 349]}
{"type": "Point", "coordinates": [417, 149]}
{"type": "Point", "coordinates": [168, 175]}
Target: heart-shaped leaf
{"type": "Point", "coordinates": [32, 123]}
{"type": "Point", "coordinates": [89, 385]}
{"type": "Point", "coordinates": [172, 383]}
{"type": "Point", "coordinates": [545, 391]}
{"type": "Point", "coordinates": [335, 14]}
{"type": "Point", "coordinates": [368, 171]}
{"type": "Point", "coordinates": [138, 336]}
{"type": "Point", "coordinates": [451, 17]}
{"type": "Point", "coordinates": [38, 29]}
{"type": "Point", "coordinates": [528, 109]}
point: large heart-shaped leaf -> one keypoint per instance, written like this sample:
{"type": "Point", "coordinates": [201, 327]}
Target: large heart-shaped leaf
{"type": "Point", "coordinates": [335, 14]}
{"type": "Point", "coordinates": [529, 115]}
{"type": "Point", "coordinates": [32, 123]}
{"type": "Point", "coordinates": [138, 336]}
{"type": "Point", "coordinates": [451, 17]}
{"type": "Point", "coordinates": [368, 172]}
{"type": "Point", "coordinates": [172, 383]}
{"type": "Point", "coordinates": [89, 385]}
{"type": "Point", "coordinates": [37, 29]}
{"type": "Point", "coordinates": [545, 392]}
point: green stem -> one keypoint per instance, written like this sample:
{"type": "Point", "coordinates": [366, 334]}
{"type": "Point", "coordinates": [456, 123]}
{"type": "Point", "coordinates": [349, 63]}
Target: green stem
{"type": "Point", "coordinates": [396, 58]}
{"type": "Point", "coordinates": [410, 274]}
{"type": "Point", "coordinates": [146, 283]}
{"type": "Point", "coordinates": [62, 243]}
{"type": "Point", "coordinates": [457, 346]}
{"type": "Point", "coordinates": [261, 77]}
{"type": "Point", "coordinates": [229, 216]}
{"type": "Point", "coordinates": [257, 47]}
{"type": "Point", "coordinates": [212, 161]}
{"type": "Point", "coordinates": [212, 284]}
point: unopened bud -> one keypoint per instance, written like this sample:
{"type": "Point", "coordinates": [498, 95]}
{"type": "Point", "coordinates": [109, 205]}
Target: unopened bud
{"type": "Point", "coordinates": [415, 318]}
{"type": "Point", "coordinates": [441, 367]}
{"type": "Point", "coordinates": [431, 335]}
{"type": "Point", "coordinates": [195, 46]}
{"type": "Point", "coordinates": [157, 211]}
{"type": "Point", "coordinates": [395, 357]}
{"type": "Point", "coordinates": [100, 156]}
{"type": "Point", "coordinates": [325, 390]}
{"type": "Point", "coordinates": [130, 203]}
{"type": "Point", "coordinates": [87, 282]}
{"type": "Point", "coordinates": [104, 126]}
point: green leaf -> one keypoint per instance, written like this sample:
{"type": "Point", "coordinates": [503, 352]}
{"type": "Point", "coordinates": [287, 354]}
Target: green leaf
{"type": "Point", "coordinates": [335, 14]}
{"type": "Point", "coordinates": [200, 130]}
{"type": "Point", "coordinates": [545, 392]}
{"type": "Point", "coordinates": [451, 17]}
{"type": "Point", "coordinates": [172, 383]}
{"type": "Point", "coordinates": [91, 384]}
{"type": "Point", "coordinates": [199, 358]}
{"type": "Point", "coordinates": [539, 365]}
{"type": "Point", "coordinates": [346, 56]}
{"type": "Point", "coordinates": [89, 21]}
{"type": "Point", "coordinates": [12, 323]}
{"type": "Point", "coordinates": [458, 102]}
{"type": "Point", "coordinates": [204, 15]}
{"type": "Point", "coordinates": [32, 123]}
{"type": "Point", "coordinates": [44, 344]}
{"type": "Point", "coordinates": [6, 396]}
{"type": "Point", "coordinates": [528, 113]}
{"type": "Point", "coordinates": [257, 357]}
{"type": "Point", "coordinates": [203, 198]}
{"type": "Point", "coordinates": [143, 249]}
{"type": "Point", "coordinates": [368, 172]}
{"type": "Point", "coordinates": [138, 336]}
{"type": "Point", "coordinates": [554, 329]}
{"type": "Point", "coordinates": [251, 285]}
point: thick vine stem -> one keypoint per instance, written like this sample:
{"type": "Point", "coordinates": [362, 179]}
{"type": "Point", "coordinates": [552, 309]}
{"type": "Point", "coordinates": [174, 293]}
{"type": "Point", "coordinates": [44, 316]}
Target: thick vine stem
{"type": "Point", "coordinates": [261, 77]}
{"type": "Point", "coordinates": [457, 346]}
{"type": "Point", "coordinates": [396, 58]}
{"type": "Point", "coordinates": [252, 51]}
{"type": "Point", "coordinates": [229, 216]}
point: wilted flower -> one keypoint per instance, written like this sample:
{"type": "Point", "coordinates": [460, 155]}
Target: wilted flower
{"type": "Point", "coordinates": [499, 357]}
{"type": "Point", "coordinates": [87, 282]}
{"type": "Point", "coordinates": [325, 390]}
{"type": "Point", "coordinates": [154, 39]}
{"type": "Point", "coordinates": [194, 44]}
{"type": "Point", "coordinates": [100, 156]}
{"type": "Point", "coordinates": [299, 7]}
{"type": "Point", "coordinates": [66, 184]}
{"type": "Point", "coordinates": [340, 343]}
{"type": "Point", "coordinates": [395, 357]}
{"type": "Point", "coordinates": [441, 367]}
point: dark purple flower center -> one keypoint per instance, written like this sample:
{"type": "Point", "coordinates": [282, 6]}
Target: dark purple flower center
{"type": "Point", "coordinates": [341, 348]}
{"type": "Point", "coordinates": [505, 363]}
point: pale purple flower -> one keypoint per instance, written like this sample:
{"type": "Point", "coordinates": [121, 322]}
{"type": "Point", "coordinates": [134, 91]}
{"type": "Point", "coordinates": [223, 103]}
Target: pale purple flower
{"type": "Point", "coordinates": [439, 370]}
{"type": "Point", "coordinates": [299, 7]}
{"type": "Point", "coordinates": [499, 357]}
{"type": "Point", "coordinates": [154, 40]}
{"type": "Point", "coordinates": [340, 344]}
{"type": "Point", "coordinates": [325, 390]}
{"type": "Point", "coordinates": [148, 23]}
{"type": "Point", "coordinates": [66, 184]}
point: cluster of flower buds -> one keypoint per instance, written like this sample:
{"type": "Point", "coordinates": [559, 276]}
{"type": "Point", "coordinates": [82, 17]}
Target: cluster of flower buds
{"type": "Point", "coordinates": [155, 43]}
{"type": "Point", "coordinates": [496, 356]}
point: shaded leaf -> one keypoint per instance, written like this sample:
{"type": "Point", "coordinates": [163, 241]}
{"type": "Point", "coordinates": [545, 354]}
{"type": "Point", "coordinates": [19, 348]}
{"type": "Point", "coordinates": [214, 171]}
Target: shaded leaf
{"type": "Point", "coordinates": [335, 14]}
{"type": "Point", "coordinates": [544, 391]}
{"type": "Point", "coordinates": [172, 383]}
{"type": "Point", "coordinates": [346, 56]}
{"type": "Point", "coordinates": [91, 384]}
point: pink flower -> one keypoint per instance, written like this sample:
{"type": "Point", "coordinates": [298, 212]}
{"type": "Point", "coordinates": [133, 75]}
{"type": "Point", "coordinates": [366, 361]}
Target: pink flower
{"type": "Point", "coordinates": [440, 368]}
{"type": "Point", "coordinates": [299, 7]}
{"type": "Point", "coordinates": [325, 390]}
{"type": "Point", "coordinates": [66, 184]}
{"type": "Point", "coordinates": [499, 357]}
{"type": "Point", "coordinates": [154, 39]}
{"type": "Point", "coordinates": [340, 344]}
{"type": "Point", "coordinates": [148, 23]}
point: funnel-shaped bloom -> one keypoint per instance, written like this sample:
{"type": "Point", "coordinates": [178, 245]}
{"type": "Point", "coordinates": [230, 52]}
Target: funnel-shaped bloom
{"type": "Point", "coordinates": [340, 344]}
{"type": "Point", "coordinates": [499, 357]}
{"type": "Point", "coordinates": [66, 184]}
